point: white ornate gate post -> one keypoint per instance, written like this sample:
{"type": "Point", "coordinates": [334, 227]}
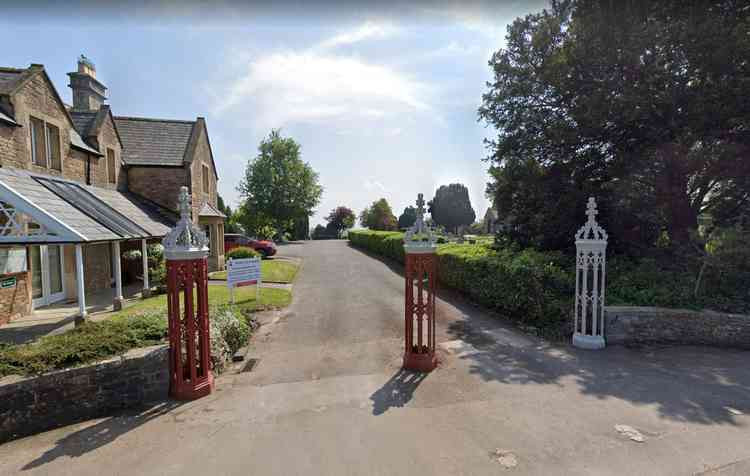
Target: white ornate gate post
{"type": "Point", "coordinates": [591, 262]}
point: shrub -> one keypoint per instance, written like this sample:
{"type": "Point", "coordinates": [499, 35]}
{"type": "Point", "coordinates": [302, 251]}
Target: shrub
{"type": "Point", "coordinates": [132, 255]}
{"type": "Point", "coordinates": [229, 332]}
{"type": "Point", "coordinates": [530, 286]}
{"type": "Point", "coordinates": [242, 252]}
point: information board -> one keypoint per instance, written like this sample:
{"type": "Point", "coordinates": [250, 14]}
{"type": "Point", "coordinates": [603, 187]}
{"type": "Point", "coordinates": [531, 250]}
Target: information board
{"type": "Point", "coordinates": [243, 272]}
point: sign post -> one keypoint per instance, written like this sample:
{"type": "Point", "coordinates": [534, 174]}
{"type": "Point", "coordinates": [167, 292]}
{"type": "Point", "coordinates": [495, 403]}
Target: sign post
{"type": "Point", "coordinates": [243, 272]}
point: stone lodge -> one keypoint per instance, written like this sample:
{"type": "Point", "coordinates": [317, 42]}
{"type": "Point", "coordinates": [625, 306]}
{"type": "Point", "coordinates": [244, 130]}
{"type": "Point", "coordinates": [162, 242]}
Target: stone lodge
{"type": "Point", "coordinates": [79, 184]}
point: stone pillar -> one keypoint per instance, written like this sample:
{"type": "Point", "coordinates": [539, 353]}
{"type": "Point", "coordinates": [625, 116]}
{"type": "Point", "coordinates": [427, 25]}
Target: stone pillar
{"type": "Point", "coordinates": [591, 261]}
{"type": "Point", "coordinates": [420, 286]}
{"type": "Point", "coordinates": [185, 252]}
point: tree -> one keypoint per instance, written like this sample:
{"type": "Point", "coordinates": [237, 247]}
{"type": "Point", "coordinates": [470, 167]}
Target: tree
{"type": "Point", "coordinates": [379, 216]}
{"type": "Point", "coordinates": [340, 219]}
{"type": "Point", "coordinates": [231, 225]}
{"type": "Point", "coordinates": [319, 232]}
{"type": "Point", "coordinates": [451, 207]}
{"type": "Point", "coordinates": [278, 187]}
{"type": "Point", "coordinates": [407, 218]}
{"type": "Point", "coordinates": [634, 102]}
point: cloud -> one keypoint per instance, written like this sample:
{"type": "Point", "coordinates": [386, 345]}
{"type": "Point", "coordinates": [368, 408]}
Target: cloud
{"type": "Point", "coordinates": [371, 184]}
{"type": "Point", "coordinates": [367, 31]}
{"type": "Point", "coordinates": [306, 86]}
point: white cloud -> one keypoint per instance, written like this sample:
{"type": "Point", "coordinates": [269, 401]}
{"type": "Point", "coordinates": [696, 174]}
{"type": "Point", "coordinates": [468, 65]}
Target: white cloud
{"type": "Point", "coordinates": [367, 31]}
{"type": "Point", "coordinates": [286, 87]}
{"type": "Point", "coordinates": [371, 184]}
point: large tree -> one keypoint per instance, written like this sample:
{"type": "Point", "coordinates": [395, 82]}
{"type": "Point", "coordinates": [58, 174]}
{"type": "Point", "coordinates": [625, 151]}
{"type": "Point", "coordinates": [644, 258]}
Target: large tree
{"type": "Point", "coordinates": [638, 103]}
{"type": "Point", "coordinates": [340, 219]}
{"type": "Point", "coordinates": [378, 216]}
{"type": "Point", "coordinates": [278, 187]}
{"type": "Point", "coordinates": [451, 207]}
{"type": "Point", "coordinates": [407, 218]}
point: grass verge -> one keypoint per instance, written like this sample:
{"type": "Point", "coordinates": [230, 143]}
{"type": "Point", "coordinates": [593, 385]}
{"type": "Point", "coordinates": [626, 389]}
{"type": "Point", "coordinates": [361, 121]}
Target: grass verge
{"type": "Point", "coordinates": [271, 271]}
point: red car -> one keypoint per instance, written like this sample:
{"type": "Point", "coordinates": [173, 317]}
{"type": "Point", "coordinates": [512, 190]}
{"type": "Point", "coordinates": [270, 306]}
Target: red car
{"type": "Point", "coordinates": [233, 240]}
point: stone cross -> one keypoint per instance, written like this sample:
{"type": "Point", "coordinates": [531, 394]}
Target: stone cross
{"type": "Point", "coordinates": [419, 228]}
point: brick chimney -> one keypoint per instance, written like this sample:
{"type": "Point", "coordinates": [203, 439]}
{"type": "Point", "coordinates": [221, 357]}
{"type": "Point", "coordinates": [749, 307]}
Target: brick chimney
{"type": "Point", "coordinates": [88, 93]}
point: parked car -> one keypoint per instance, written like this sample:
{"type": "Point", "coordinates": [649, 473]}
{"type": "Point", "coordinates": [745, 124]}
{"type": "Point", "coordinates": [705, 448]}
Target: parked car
{"type": "Point", "coordinates": [265, 247]}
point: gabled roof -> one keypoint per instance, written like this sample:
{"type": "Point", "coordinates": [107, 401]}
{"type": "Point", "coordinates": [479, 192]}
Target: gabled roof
{"type": "Point", "coordinates": [209, 210]}
{"type": "Point", "coordinates": [89, 123]}
{"type": "Point", "coordinates": [10, 78]}
{"type": "Point", "coordinates": [149, 141]}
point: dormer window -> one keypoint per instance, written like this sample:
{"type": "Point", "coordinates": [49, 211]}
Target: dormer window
{"type": "Point", "coordinates": [45, 144]}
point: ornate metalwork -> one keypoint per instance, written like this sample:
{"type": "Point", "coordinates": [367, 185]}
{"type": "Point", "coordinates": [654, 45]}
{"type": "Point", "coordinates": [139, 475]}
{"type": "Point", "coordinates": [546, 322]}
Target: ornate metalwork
{"type": "Point", "coordinates": [419, 236]}
{"type": "Point", "coordinates": [186, 238]}
{"type": "Point", "coordinates": [13, 223]}
{"type": "Point", "coordinates": [591, 260]}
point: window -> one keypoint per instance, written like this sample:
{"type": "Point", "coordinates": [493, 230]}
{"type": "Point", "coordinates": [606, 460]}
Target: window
{"type": "Point", "coordinates": [53, 147]}
{"type": "Point", "coordinates": [205, 179]}
{"type": "Point", "coordinates": [111, 166]}
{"type": "Point", "coordinates": [45, 144]}
{"type": "Point", "coordinates": [38, 142]}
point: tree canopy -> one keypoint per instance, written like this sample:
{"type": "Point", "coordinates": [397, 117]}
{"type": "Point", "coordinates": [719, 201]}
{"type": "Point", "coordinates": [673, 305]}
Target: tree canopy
{"type": "Point", "coordinates": [378, 216]}
{"type": "Point", "coordinates": [636, 103]}
{"type": "Point", "coordinates": [451, 207]}
{"type": "Point", "coordinates": [340, 219]}
{"type": "Point", "coordinates": [407, 218]}
{"type": "Point", "coordinates": [278, 187]}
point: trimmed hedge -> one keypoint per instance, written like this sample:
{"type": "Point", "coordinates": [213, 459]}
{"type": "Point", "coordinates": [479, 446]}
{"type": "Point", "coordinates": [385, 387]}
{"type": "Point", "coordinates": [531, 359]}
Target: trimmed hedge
{"type": "Point", "coordinates": [242, 252]}
{"type": "Point", "coordinates": [527, 286]}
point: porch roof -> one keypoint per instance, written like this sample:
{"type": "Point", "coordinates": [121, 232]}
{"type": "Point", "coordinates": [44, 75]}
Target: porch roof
{"type": "Point", "coordinates": [37, 208]}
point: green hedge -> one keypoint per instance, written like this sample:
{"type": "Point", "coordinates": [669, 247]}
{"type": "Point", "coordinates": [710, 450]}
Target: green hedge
{"type": "Point", "coordinates": [527, 286]}
{"type": "Point", "coordinates": [242, 252]}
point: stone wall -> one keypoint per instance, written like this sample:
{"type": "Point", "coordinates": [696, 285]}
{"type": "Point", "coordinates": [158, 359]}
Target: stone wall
{"type": "Point", "coordinates": [15, 301]}
{"type": "Point", "coordinates": [653, 325]}
{"type": "Point", "coordinates": [34, 404]}
{"type": "Point", "coordinates": [201, 158]}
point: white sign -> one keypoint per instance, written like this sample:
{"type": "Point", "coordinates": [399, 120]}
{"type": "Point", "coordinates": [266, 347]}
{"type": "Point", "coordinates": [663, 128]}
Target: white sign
{"type": "Point", "coordinates": [243, 272]}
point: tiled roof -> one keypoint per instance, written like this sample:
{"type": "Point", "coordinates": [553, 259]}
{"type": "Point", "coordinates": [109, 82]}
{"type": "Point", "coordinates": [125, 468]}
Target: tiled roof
{"type": "Point", "coordinates": [82, 120]}
{"type": "Point", "coordinates": [78, 142]}
{"type": "Point", "coordinates": [9, 77]}
{"type": "Point", "coordinates": [8, 119]}
{"type": "Point", "coordinates": [208, 210]}
{"type": "Point", "coordinates": [153, 141]}
{"type": "Point", "coordinates": [147, 216]}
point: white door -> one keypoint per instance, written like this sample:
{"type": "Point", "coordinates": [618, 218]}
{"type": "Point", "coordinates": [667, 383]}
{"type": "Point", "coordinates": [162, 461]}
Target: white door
{"type": "Point", "coordinates": [47, 283]}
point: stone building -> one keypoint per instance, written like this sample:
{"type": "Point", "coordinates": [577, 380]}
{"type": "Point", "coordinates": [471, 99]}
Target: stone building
{"type": "Point", "coordinates": [78, 184]}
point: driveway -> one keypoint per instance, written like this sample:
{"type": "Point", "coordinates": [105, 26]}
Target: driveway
{"type": "Point", "coordinates": [327, 396]}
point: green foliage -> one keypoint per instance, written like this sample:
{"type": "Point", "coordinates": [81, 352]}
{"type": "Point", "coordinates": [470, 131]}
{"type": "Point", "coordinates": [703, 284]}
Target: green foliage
{"type": "Point", "coordinates": [632, 102]}
{"type": "Point", "coordinates": [278, 187]}
{"type": "Point", "coordinates": [242, 252]}
{"type": "Point", "coordinates": [132, 255]}
{"type": "Point", "coordinates": [229, 332]}
{"type": "Point", "coordinates": [451, 207]}
{"type": "Point", "coordinates": [340, 219]}
{"type": "Point", "coordinates": [86, 343]}
{"type": "Point", "coordinates": [408, 218]}
{"type": "Point", "coordinates": [379, 216]}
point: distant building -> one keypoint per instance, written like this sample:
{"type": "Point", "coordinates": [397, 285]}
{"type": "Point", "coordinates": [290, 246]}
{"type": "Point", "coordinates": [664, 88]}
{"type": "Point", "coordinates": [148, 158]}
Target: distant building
{"type": "Point", "coordinates": [77, 181]}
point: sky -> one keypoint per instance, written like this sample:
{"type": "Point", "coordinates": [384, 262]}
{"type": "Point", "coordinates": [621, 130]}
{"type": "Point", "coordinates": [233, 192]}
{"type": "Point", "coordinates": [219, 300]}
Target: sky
{"type": "Point", "coordinates": [382, 97]}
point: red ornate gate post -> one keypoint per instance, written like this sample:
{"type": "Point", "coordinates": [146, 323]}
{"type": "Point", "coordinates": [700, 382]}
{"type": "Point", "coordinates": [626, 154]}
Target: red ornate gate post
{"type": "Point", "coordinates": [185, 252]}
{"type": "Point", "coordinates": [419, 310]}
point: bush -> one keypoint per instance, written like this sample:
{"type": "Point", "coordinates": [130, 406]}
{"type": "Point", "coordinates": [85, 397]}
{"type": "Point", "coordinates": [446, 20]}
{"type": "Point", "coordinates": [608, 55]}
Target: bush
{"type": "Point", "coordinates": [242, 252]}
{"type": "Point", "coordinates": [89, 342]}
{"type": "Point", "coordinates": [229, 332]}
{"type": "Point", "coordinates": [531, 287]}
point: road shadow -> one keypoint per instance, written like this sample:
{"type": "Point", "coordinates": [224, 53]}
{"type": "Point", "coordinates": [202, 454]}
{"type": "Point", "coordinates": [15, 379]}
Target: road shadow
{"type": "Point", "coordinates": [18, 334]}
{"type": "Point", "coordinates": [685, 383]}
{"type": "Point", "coordinates": [92, 437]}
{"type": "Point", "coordinates": [397, 391]}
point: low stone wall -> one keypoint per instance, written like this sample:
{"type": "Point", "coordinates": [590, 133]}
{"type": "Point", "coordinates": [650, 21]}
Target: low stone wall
{"type": "Point", "coordinates": [654, 325]}
{"type": "Point", "coordinates": [29, 405]}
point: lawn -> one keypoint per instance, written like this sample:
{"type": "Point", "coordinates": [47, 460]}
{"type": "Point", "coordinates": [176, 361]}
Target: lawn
{"type": "Point", "coordinates": [138, 325]}
{"type": "Point", "coordinates": [244, 300]}
{"type": "Point", "coordinates": [271, 271]}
